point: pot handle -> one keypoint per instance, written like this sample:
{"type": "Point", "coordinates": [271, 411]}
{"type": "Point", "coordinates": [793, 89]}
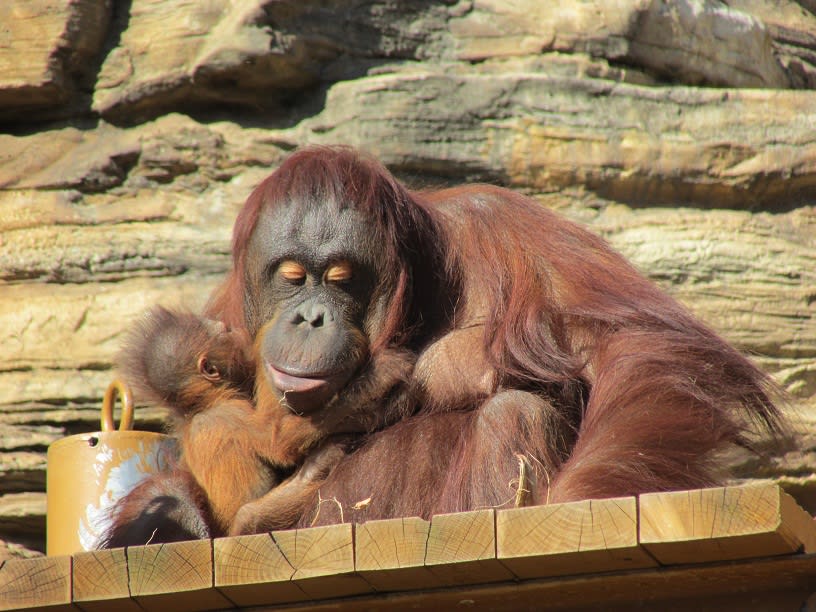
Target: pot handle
{"type": "Point", "coordinates": [117, 389]}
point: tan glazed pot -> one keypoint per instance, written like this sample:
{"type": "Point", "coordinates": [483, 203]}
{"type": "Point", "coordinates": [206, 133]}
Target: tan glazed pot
{"type": "Point", "coordinates": [88, 473]}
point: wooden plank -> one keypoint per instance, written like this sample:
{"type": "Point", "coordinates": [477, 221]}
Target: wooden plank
{"type": "Point", "coordinates": [574, 538]}
{"type": "Point", "coordinates": [779, 584]}
{"type": "Point", "coordinates": [390, 554]}
{"type": "Point", "coordinates": [251, 571]}
{"type": "Point", "coordinates": [718, 524]}
{"type": "Point", "coordinates": [323, 560]}
{"type": "Point", "coordinates": [43, 583]}
{"type": "Point", "coordinates": [176, 576]}
{"type": "Point", "coordinates": [100, 580]}
{"type": "Point", "coordinates": [462, 548]}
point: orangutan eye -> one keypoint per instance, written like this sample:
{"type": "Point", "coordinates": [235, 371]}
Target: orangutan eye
{"type": "Point", "coordinates": [339, 272]}
{"type": "Point", "coordinates": [292, 271]}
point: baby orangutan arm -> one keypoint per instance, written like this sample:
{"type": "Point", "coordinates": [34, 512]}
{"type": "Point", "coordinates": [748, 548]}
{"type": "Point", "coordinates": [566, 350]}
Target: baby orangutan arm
{"type": "Point", "coordinates": [282, 507]}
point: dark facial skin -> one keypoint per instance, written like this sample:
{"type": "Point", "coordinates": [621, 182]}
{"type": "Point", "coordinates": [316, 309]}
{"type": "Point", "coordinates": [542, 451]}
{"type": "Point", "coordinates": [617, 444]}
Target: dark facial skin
{"type": "Point", "coordinates": [311, 281]}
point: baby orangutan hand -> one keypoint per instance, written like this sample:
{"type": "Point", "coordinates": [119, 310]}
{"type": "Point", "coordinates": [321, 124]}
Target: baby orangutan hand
{"type": "Point", "coordinates": [282, 506]}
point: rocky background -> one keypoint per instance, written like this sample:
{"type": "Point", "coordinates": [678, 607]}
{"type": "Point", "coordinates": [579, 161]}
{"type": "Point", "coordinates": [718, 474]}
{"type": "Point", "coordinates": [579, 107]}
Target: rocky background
{"type": "Point", "coordinates": [131, 131]}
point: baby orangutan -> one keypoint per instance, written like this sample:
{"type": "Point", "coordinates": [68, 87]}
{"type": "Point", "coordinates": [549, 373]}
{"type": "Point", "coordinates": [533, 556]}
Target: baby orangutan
{"type": "Point", "coordinates": [235, 451]}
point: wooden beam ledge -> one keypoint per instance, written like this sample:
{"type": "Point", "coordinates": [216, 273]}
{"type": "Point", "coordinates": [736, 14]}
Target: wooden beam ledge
{"type": "Point", "coordinates": [693, 549]}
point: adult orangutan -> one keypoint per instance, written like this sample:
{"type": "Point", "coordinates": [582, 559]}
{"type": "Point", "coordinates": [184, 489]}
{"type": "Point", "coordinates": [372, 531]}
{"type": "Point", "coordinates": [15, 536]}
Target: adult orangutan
{"type": "Point", "coordinates": [530, 338]}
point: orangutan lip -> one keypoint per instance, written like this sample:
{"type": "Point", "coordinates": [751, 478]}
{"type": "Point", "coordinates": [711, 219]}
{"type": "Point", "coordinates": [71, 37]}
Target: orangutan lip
{"type": "Point", "coordinates": [289, 383]}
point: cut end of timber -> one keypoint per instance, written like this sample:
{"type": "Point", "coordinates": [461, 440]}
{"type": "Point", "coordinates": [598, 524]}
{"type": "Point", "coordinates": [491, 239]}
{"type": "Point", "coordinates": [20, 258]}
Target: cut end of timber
{"type": "Point", "coordinates": [750, 541]}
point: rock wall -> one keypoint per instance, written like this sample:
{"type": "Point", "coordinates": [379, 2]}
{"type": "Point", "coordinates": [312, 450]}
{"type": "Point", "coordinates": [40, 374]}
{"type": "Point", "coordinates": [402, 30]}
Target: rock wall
{"type": "Point", "coordinates": [131, 131]}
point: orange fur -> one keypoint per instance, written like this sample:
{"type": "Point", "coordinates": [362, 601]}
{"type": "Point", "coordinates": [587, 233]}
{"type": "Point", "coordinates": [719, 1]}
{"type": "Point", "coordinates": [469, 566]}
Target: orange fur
{"type": "Point", "coordinates": [531, 338]}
